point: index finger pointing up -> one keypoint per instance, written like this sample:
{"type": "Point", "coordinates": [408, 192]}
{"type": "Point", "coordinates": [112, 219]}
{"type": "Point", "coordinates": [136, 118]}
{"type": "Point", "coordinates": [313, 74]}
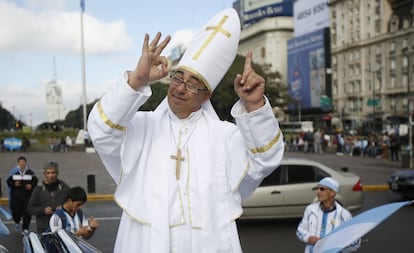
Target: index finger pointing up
{"type": "Point", "coordinates": [248, 61]}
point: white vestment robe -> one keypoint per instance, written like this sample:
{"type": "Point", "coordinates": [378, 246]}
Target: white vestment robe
{"type": "Point", "coordinates": [223, 164]}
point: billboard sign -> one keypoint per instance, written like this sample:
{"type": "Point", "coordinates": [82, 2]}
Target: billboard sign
{"type": "Point", "coordinates": [307, 66]}
{"type": "Point", "coordinates": [253, 11]}
{"type": "Point", "coordinates": [310, 16]}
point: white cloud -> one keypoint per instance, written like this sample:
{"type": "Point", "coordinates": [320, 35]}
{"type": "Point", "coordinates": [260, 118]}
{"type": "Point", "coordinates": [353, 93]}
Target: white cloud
{"type": "Point", "coordinates": [46, 31]}
{"type": "Point", "coordinates": [30, 35]}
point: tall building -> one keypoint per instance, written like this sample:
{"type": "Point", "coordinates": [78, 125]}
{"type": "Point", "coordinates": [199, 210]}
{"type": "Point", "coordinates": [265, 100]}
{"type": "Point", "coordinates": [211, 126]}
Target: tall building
{"type": "Point", "coordinates": [267, 39]}
{"type": "Point", "coordinates": [267, 25]}
{"type": "Point", "coordinates": [55, 107]}
{"type": "Point", "coordinates": [372, 46]}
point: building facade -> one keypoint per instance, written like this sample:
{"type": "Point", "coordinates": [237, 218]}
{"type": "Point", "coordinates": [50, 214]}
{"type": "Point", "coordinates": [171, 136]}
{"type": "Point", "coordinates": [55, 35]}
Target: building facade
{"type": "Point", "coordinates": [372, 45]}
{"type": "Point", "coordinates": [267, 39]}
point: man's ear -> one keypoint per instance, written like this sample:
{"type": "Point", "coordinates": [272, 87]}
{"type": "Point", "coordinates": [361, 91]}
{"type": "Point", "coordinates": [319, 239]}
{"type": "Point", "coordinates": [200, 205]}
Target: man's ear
{"type": "Point", "coordinates": [207, 96]}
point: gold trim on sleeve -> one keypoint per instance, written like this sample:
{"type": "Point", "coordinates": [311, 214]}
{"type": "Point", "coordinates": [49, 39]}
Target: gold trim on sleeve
{"type": "Point", "coordinates": [107, 120]}
{"type": "Point", "coordinates": [268, 146]}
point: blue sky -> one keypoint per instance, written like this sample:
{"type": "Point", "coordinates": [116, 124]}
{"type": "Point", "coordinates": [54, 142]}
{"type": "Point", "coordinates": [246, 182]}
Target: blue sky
{"type": "Point", "coordinates": [34, 32]}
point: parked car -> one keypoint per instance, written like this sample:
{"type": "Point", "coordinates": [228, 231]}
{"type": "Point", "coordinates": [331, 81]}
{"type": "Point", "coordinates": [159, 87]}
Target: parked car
{"type": "Point", "coordinates": [402, 183]}
{"type": "Point", "coordinates": [292, 186]}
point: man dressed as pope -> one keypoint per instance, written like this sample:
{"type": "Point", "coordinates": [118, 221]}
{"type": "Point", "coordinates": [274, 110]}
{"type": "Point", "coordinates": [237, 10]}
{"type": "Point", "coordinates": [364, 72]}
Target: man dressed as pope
{"type": "Point", "coordinates": [181, 172]}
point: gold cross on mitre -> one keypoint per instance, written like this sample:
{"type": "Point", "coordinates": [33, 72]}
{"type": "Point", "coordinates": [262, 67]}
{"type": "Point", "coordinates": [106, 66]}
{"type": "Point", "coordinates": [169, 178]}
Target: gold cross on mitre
{"type": "Point", "coordinates": [216, 29]}
{"type": "Point", "coordinates": [178, 158]}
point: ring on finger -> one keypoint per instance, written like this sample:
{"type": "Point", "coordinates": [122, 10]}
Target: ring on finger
{"type": "Point", "coordinates": [151, 49]}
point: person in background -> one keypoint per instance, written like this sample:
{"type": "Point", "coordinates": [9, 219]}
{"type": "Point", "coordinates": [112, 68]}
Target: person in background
{"type": "Point", "coordinates": [86, 138]}
{"type": "Point", "coordinates": [317, 142]}
{"type": "Point", "coordinates": [323, 216]}
{"type": "Point", "coordinates": [69, 143]}
{"type": "Point", "coordinates": [70, 216]}
{"type": "Point", "coordinates": [21, 181]}
{"type": "Point", "coordinates": [25, 144]}
{"type": "Point", "coordinates": [47, 196]}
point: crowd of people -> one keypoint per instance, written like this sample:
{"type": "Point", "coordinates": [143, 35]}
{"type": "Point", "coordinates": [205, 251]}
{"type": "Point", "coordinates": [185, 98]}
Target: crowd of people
{"type": "Point", "coordinates": [52, 201]}
{"type": "Point", "coordinates": [385, 146]}
{"type": "Point", "coordinates": [62, 144]}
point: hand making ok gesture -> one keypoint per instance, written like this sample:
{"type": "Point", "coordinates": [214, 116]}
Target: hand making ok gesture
{"type": "Point", "coordinates": [250, 86]}
{"type": "Point", "coordinates": [151, 65]}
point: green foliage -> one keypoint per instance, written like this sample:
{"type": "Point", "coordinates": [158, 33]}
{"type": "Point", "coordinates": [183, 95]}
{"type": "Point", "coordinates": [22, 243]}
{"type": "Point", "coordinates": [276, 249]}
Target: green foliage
{"type": "Point", "coordinates": [159, 91]}
{"type": "Point", "coordinates": [225, 96]}
{"type": "Point", "coordinates": [7, 120]}
{"type": "Point", "coordinates": [74, 119]}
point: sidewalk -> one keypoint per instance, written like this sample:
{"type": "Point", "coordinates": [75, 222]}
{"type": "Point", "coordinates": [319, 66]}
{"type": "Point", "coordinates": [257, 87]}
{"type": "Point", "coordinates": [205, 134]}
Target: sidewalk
{"type": "Point", "coordinates": [74, 168]}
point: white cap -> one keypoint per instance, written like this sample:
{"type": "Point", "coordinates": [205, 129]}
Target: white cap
{"type": "Point", "coordinates": [213, 49]}
{"type": "Point", "coordinates": [330, 183]}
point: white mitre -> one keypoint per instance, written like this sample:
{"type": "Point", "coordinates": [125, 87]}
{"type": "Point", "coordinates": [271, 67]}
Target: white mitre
{"type": "Point", "coordinates": [213, 49]}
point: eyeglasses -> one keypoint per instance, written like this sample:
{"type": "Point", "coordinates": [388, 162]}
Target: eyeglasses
{"type": "Point", "coordinates": [322, 188]}
{"type": "Point", "coordinates": [188, 85]}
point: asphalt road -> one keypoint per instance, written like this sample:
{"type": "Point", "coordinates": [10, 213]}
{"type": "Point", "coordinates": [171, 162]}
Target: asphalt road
{"type": "Point", "coordinates": [75, 167]}
{"type": "Point", "coordinates": [256, 236]}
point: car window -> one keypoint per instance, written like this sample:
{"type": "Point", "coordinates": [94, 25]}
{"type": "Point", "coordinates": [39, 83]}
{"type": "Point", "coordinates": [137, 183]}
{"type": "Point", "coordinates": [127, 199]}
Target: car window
{"type": "Point", "coordinates": [273, 179]}
{"type": "Point", "coordinates": [320, 174]}
{"type": "Point", "coordinates": [300, 174]}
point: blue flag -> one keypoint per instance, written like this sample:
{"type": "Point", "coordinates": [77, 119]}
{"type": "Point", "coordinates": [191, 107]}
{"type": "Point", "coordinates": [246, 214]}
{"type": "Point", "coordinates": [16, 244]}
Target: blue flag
{"type": "Point", "coordinates": [4, 231]}
{"type": "Point", "coordinates": [355, 228]}
{"type": "Point", "coordinates": [6, 214]}
{"type": "Point", "coordinates": [82, 5]}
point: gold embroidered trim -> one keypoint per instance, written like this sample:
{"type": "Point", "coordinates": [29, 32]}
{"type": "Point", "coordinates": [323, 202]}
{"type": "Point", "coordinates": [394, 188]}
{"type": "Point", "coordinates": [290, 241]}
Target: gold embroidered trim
{"type": "Point", "coordinates": [268, 146]}
{"type": "Point", "coordinates": [242, 176]}
{"type": "Point", "coordinates": [131, 216]}
{"type": "Point", "coordinates": [216, 29]}
{"type": "Point", "coordinates": [183, 222]}
{"type": "Point", "coordinates": [107, 120]}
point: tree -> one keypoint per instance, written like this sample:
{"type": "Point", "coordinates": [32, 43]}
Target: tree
{"type": "Point", "coordinates": [74, 119]}
{"type": "Point", "coordinates": [7, 120]}
{"type": "Point", "coordinates": [224, 96]}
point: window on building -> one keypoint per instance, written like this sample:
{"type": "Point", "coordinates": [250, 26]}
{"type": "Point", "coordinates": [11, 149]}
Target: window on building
{"type": "Point", "coordinates": [392, 81]}
{"type": "Point", "coordinates": [405, 44]}
{"type": "Point", "coordinates": [405, 61]}
{"type": "Point", "coordinates": [392, 47]}
{"type": "Point", "coordinates": [392, 65]}
{"type": "Point", "coordinates": [377, 26]}
{"type": "Point", "coordinates": [378, 50]}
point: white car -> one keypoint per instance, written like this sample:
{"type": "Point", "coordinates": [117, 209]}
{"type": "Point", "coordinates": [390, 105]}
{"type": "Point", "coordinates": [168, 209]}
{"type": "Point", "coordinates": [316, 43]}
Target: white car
{"type": "Point", "coordinates": [292, 186]}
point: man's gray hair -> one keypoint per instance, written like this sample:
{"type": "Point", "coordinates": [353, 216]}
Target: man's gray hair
{"type": "Point", "coordinates": [51, 165]}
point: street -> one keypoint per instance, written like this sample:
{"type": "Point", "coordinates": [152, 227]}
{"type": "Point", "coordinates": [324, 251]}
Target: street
{"type": "Point", "coordinates": [256, 236]}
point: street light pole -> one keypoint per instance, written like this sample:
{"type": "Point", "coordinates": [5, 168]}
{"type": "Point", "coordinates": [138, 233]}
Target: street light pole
{"type": "Point", "coordinates": [373, 101]}
{"type": "Point", "coordinates": [410, 112]}
{"type": "Point", "coordinates": [83, 66]}
{"type": "Point", "coordinates": [410, 132]}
